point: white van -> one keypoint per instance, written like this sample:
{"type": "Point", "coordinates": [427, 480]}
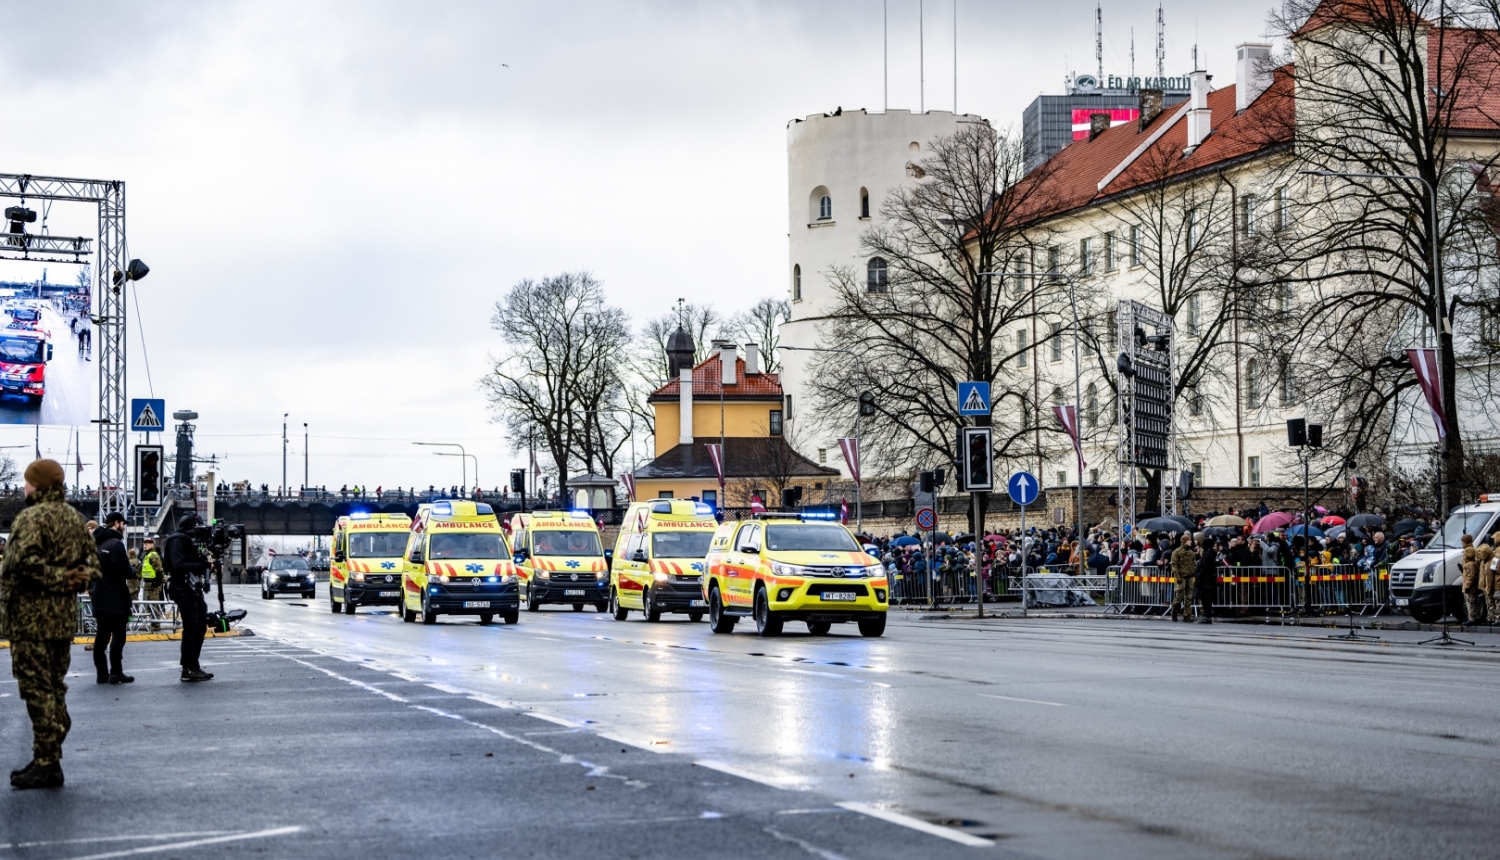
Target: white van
{"type": "Point", "coordinates": [1429, 582]}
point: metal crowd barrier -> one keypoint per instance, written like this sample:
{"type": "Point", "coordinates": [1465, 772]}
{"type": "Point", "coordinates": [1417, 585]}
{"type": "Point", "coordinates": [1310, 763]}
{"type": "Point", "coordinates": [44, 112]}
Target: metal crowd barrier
{"type": "Point", "coordinates": [146, 616]}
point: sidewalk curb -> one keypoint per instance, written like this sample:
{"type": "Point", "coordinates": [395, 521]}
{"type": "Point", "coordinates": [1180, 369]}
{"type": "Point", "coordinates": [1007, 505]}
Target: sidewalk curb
{"type": "Point", "coordinates": [153, 637]}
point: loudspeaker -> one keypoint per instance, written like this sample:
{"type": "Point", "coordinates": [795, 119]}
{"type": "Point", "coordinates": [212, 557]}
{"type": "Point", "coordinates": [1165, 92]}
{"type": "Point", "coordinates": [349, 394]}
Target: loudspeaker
{"type": "Point", "coordinates": [1315, 435]}
{"type": "Point", "coordinates": [1296, 432]}
{"type": "Point", "coordinates": [1185, 484]}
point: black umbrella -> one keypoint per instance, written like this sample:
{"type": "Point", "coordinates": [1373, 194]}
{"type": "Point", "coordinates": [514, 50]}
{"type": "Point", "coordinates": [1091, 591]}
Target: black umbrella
{"type": "Point", "coordinates": [1366, 521]}
{"type": "Point", "coordinates": [1166, 524]}
{"type": "Point", "coordinates": [963, 537]}
{"type": "Point", "coordinates": [1223, 531]}
{"type": "Point", "coordinates": [1405, 527]}
{"type": "Point", "coordinates": [942, 537]}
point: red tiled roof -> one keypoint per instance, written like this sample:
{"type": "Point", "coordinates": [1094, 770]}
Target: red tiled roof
{"type": "Point", "coordinates": [1358, 12]}
{"type": "Point", "coordinates": [763, 386]}
{"type": "Point", "coordinates": [1477, 93]}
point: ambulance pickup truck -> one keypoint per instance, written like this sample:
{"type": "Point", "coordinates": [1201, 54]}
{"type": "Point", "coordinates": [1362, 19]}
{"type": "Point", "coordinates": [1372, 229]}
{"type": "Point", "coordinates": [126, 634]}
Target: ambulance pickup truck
{"type": "Point", "coordinates": [24, 354]}
{"type": "Point", "coordinates": [1429, 582]}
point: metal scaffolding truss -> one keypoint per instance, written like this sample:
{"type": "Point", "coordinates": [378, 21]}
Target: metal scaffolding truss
{"type": "Point", "coordinates": [109, 315]}
{"type": "Point", "coordinates": [1147, 425]}
{"type": "Point", "coordinates": [45, 249]}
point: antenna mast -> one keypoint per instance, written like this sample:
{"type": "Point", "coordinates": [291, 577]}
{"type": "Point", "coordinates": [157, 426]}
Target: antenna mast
{"type": "Point", "coordinates": [1132, 57]}
{"type": "Point", "coordinates": [1161, 43]}
{"type": "Point", "coordinates": [1099, 41]}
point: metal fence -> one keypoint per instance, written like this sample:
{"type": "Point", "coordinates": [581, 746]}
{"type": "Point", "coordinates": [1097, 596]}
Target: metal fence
{"type": "Point", "coordinates": [1323, 589]}
{"type": "Point", "coordinates": [146, 616]}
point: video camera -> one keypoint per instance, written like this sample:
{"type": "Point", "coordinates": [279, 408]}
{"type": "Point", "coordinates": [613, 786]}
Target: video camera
{"type": "Point", "coordinates": [214, 542]}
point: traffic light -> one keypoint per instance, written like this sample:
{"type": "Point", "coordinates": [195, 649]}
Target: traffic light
{"type": "Point", "coordinates": [1315, 435]}
{"type": "Point", "coordinates": [976, 460]}
{"type": "Point", "coordinates": [866, 404]}
{"type": "Point", "coordinates": [518, 480]}
{"type": "Point", "coordinates": [940, 476]}
{"type": "Point", "coordinates": [927, 482]}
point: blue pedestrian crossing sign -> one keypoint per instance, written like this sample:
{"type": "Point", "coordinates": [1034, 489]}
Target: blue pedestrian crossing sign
{"type": "Point", "coordinates": [973, 398]}
{"type": "Point", "coordinates": [1023, 488]}
{"type": "Point", "coordinates": [148, 416]}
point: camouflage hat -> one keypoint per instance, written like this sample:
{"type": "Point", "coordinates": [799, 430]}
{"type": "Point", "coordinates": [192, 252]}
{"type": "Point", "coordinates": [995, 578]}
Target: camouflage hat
{"type": "Point", "coordinates": [43, 474]}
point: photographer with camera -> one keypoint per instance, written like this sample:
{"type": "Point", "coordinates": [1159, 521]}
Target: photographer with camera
{"type": "Point", "coordinates": [187, 573]}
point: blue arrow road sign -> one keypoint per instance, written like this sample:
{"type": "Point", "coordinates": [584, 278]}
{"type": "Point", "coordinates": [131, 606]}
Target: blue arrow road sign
{"type": "Point", "coordinates": [148, 416]}
{"type": "Point", "coordinates": [973, 398]}
{"type": "Point", "coordinates": [1023, 487]}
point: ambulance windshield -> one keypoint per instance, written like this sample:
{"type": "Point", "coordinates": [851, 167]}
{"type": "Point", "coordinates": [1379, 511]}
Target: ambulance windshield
{"type": "Point", "coordinates": [20, 350]}
{"type": "Point", "coordinates": [561, 542]}
{"type": "Point", "coordinates": [808, 537]}
{"type": "Point", "coordinates": [681, 544]}
{"type": "Point", "coordinates": [478, 545]}
{"type": "Point", "coordinates": [376, 544]}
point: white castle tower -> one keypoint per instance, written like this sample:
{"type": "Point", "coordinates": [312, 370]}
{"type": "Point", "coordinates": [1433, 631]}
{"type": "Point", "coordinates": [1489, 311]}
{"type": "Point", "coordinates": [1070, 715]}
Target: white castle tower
{"type": "Point", "coordinates": [840, 167]}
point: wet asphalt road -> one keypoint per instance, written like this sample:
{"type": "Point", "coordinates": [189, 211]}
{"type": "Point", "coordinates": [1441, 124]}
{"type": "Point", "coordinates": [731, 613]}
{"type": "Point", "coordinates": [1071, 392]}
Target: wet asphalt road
{"type": "Point", "coordinates": [1047, 738]}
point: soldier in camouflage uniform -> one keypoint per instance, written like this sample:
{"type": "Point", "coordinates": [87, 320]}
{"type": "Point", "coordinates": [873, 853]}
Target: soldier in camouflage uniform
{"type": "Point", "coordinates": [1473, 603]}
{"type": "Point", "coordinates": [51, 558]}
{"type": "Point", "coordinates": [1184, 565]}
{"type": "Point", "coordinates": [152, 575]}
{"type": "Point", "coordinates": [1483, 555]}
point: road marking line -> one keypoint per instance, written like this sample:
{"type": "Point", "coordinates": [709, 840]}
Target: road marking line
{"type": "Point", "coordinates": [152, 849]}
{"type": "Point", "coordinates": [156, 836]}
{"type": "Point", "coordinates": [804, 845]}
{"type": "Point", "coordinates": [551, 719]}
{"type": "Point", "coordinates": [1027, 701]}
{"type": "Point", "coordinates": [917, 824]}
{"type": "Point", "coordinates": [785, 783]}
{"type": "Point", "coordinates": [444, 688]}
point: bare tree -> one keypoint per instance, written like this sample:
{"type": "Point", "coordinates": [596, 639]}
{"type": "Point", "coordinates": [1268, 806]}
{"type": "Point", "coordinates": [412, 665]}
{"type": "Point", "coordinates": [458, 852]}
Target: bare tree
{"type": "Point", "coordinates": [562, 371]}
{"type": "Point", "coordinates": [924, 313]}
{"type": "Point", "coordinates": [1392, 89]}
{"type": "Point", "coordinates": [761, 325]}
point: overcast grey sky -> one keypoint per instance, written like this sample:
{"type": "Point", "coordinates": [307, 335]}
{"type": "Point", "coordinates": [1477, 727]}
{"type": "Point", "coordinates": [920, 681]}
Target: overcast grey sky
{"type": "Point", "coordinates": [331, 195]}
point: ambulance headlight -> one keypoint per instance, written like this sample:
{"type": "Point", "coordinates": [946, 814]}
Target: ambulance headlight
{"type": "Point", "coordinates": [512, 579]}
{"type": "Point", "coordinates": [359, 577]}
{"type": "Point", "coordinates": [542, 574]}
{"type": "Point", "coordinates": [439, 577]}
{"type": "Point", "coordinates": [600, 575]}
{"type": "Point", "coordinates": [786, 569]}
{"type": "Point", "coordinates": [660, 577]}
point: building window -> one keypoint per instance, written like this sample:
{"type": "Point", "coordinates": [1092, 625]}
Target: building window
{"type": "Point", "coordinates": [864, 203]}
{"type": "Point", "coordinates": [1021, 347]}
{"type": "Point", "coordinates": [822, 456]}
{"type": "Point", "coordinates": [1254, 471]}
{"type": "Point", "coordinates": [1094, 477]}
{"type": "Point", "coordinates": [1057, 396]}
{"type": "Point", "coordinates": [1194, 229]}
{"type": "Point", "coordinates": [1062, 478]}
{"type": "Point", "coordinates": [1197, 474]}
{"type": "Point", "coordinates": [1025, 413]}
{"type": "Point", "coordinates": [1135, 246]}
{"type": "Point", "coordinates": [1284, 298]}
{"type": "Point", "coordinates": [1195, 401]}
{"type": "Point", "coordinates": [1086, 256]}
{"type": "Point", "coordinates": [1252, 384]}
{"type": "Point", "coordinates": [1110, 263]}
{"type": "Point", "coordinates": [1054, 259]}
{"type": "Point", "coordinates": [1288, 379]}
{"type": "Point", "coordinates": [877, 274]}
{"type": "Point", "coordinates": [825, 208]}
{"type": "Point", "coordinates": [1249, 209]}
{"type": "Point", "coordinates": [1091, 405]}
{"type": "Point", "coordinates": [797, 283]}
{"type": "Point", "coordinates": [1282, 217]}
{"type": "Point", "coordinates": [787, 410]}
{"type": "Point", "coordinates": [1112, 330]}
{"type": "Point", "coordinates": [1057, 344]}
{"type": "Point", "coordinates": [664, 494]}
{"type": "Point", "coordinates": [775, 423]}
{"type": "Point", "coordinates": [1192, 314]}
{"type": "Point", "coordinates": [711, 498]}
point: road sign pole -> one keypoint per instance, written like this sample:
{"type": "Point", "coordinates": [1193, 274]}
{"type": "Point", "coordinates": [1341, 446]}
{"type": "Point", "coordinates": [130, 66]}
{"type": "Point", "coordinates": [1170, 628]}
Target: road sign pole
{"type": "Point", "coordinates": [979, 551]}
{"type": "Point", "coordinates": [1023, 561]}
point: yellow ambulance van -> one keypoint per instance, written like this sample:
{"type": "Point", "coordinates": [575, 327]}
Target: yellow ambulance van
{"type": "Point", "coordinates": [658, 559]}
{"type": "Point", "coordinates": [561, 559]}
{"type": "Point", "coordinates": [364, 568]}
{"type": "Point", "coordinates": [458, 562]}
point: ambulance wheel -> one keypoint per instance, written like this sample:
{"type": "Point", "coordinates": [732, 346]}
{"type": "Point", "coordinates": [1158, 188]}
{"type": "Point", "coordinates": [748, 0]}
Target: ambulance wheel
{"type": "Point", "coordinates": [578, 607]}
{"type": "Point", "coordinates": [428, 616]}
{"type": "Point", "coordinates": [349, 606]}
{"type": "Point", "coordinates": [819, 628]}
{"type": "Point", "coordinates": [767, 623]}
{"type": "Point", "coordinates": [718, 621]}
{"type": "Point", "coordinates": [511, 616]}
{"type": "Point", "coordinates": [601, 606]}
{"type": "Point", "coordinates": [620, 612]}
{"type": "Point", "coordinates": [652, 613]}
{"type": "Point", "coordinates": [872, 627]}
{"type": "Point", "coordinates": [532, 603]}
{"type": "Point", "coordinates": [695, 616]}
{"type": "Point", "coordinates": [486, 617]}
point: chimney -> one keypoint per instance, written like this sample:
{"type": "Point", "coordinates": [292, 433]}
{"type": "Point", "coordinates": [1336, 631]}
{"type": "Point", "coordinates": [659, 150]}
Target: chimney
{"type": "Point", "coordinates": [1200, 121]}
{"type": "Point", "coordinates": [752, 359]}
{"type": "Point", "coordinates": [1252, 73]}
{"type": "Point", "coordinates": [728, 365]}
{"type": "Point", "coordinates": [1098, 124]}
{"type": "Point", "coordinates": [685, 411]}
{"type": "Point", "coordinates": [1150, 107]}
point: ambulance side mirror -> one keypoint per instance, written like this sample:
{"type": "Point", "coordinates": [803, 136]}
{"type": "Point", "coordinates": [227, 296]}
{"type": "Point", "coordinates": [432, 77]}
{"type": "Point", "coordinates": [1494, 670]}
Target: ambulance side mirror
{"type": "Point", "coordinates": [338, 556]}
{"type": "Point", "coordinates": [640, 556]}
{"type": "Point", "coordinates": [520, 556]}
{"type": "Point", "coordinates": [416, 556]}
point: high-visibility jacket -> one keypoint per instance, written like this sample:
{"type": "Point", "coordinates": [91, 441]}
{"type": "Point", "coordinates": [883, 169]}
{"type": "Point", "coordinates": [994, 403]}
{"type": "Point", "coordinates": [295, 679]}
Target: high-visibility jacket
{"type": "Point", "coordinates": [150, 565]}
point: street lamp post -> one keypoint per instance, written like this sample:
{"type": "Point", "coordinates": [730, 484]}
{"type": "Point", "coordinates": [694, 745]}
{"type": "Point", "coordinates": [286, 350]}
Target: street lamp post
{"type": "Point", "coordinates": [461, 450]}
{"type": "Point", "coordinates": [858, 489]}
{"type": "Point", "coordinates": [284, 416]}
{"type": "Point", "coordinates": [469, 457]}
{"type": "Point", "coordinates": [1437, 305]}
{"type": "Point", "coordinates": [304, 456]}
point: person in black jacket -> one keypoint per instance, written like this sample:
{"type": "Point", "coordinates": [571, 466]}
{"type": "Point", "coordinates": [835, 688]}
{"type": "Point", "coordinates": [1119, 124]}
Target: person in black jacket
{"type": "Point", "coordinates": [187, 569]}
{"type": "Point", "coordinates": [1206, 579]}
{"type": "Point", "coordinates": [111, 598]}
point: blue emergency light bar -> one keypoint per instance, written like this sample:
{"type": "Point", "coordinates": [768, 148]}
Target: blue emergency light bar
{"type": "Point", "coordinates": [442, 509]}
{"type": "Point", "coordinates": [359, 515]}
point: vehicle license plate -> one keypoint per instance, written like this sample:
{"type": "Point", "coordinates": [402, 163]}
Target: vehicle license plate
{"type": "Point", "coordinates": [390, 594]}
{"type": "Point", "coordinates": [574, 592]}
{"type": "Point", "coordinates": [698, 603]}
{"type": "Point", "coordinates": [838, 595]}
{"type": "Point", "coordinates": [1401, 601]}
{"type": "Point", "coordinates": [476, 604]}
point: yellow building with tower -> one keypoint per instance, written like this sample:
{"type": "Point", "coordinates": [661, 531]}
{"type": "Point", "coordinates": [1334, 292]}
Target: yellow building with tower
{"type": "Point", "coordinates": [725, 396]}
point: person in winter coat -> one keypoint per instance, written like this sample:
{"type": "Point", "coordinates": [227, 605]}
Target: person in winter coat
{"type": "Point", "coordinates": [1484, 557]}
{"type": "Point", "coordinates": [111, 598]}
{"type": "Point", "coordinates": [1184, 561]}
{"type": "Point", "coordinates": [1473, 604]}
{"type": "Point", "coordinates": [1206, 581]}
{"type": "Point", "coordinates": [1494, 569]}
